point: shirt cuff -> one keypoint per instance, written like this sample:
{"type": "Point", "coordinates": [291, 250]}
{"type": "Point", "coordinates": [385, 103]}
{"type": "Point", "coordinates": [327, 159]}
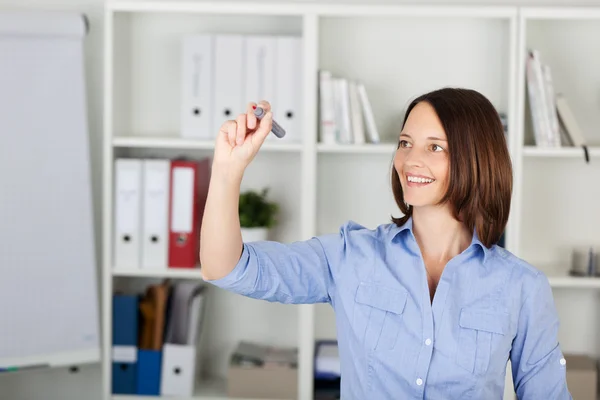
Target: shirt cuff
{"type": "Point", "coordinates": [235, 275]}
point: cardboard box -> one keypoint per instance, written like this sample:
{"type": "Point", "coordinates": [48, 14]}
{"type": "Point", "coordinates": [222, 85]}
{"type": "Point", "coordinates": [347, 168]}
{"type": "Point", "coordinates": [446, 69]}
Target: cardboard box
{"type": "Point", "coordinates": [582, 376]}
{"type": "Point", "coordinates": [279, 383]}
{"type": "Point", "coordinates": [263, 372]}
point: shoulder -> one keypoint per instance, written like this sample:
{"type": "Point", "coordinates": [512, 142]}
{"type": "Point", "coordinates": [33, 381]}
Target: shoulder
{"type": "Point", "coordinates": [522, 275]}
{"type": "Point", "coordinates": [352, 230]}
{"type": "Point", "coordinates": [355, 238]}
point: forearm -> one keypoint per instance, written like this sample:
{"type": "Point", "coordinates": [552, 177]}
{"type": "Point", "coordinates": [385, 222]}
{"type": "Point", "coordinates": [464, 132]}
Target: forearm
{"type": "Point", "coordinates": [220, 236]}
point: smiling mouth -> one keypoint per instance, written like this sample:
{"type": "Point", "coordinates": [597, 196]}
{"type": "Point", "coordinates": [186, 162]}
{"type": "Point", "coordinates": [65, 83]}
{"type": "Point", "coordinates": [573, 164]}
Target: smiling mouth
{"type": "Point", "coordinates": [418, 181]}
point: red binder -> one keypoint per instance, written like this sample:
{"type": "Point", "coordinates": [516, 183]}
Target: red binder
{"type": "Point", "coordinates": [189, 188]}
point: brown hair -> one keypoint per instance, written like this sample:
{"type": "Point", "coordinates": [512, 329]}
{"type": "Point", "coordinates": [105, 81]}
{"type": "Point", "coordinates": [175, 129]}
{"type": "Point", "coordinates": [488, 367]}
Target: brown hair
{"type": "Point", "coordinates": [480, 175]}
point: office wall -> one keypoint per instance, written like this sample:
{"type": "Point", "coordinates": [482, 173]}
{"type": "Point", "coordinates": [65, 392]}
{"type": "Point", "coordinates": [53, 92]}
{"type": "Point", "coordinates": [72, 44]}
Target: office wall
{"type": "Point", "coordinates": [62, 384]}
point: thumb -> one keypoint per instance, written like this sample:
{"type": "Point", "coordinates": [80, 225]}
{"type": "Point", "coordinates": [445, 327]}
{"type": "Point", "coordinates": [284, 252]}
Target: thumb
{"type": "Point", "coordinates": [266, 123]}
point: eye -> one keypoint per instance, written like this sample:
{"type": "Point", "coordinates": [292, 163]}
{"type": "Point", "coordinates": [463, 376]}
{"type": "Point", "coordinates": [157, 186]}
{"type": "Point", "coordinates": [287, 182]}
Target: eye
{"type": "Point", "coordinates": [436, 147]}
{"type": "Point", "coordinates": [404, 143]}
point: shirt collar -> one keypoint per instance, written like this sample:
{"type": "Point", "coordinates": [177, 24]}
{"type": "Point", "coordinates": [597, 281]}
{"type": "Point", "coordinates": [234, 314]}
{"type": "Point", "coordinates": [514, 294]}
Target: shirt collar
{"type": "Point", "coordinates": [408, 226]}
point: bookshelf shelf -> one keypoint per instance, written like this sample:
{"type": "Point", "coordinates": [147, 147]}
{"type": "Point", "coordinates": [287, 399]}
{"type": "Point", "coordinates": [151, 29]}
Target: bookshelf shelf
{"type": "Point", "coordinates": [214, 389]}
{"type": "Point", "coordinates": [567, 152]}
{"type": "Point", "coordinates": [166, 142]}
{"type": "Point", "coordinates": [178, 273]}
{"type": "Point", "coordinates": [560, 13]}
{"type": "Point", "coordinates": [571, 282]}
{"type": "Point", "coordinates": [383, 148]}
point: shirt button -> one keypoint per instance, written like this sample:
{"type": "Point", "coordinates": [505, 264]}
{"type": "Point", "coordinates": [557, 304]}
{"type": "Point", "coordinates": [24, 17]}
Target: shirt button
{"type": "Point", "coordinates": [563, 361]}
{"type": "Point", "coordinates": [419, 381]}
{"type": "Point", "coordinates": [428, 341]}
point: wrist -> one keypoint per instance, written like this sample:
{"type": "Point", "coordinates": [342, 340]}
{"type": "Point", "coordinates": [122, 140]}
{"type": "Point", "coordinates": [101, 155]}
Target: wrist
{"type": "Point", "coordinates": [227, 174]}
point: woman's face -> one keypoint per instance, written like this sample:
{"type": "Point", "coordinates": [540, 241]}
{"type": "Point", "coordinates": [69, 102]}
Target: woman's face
{"type": "Point", "coordinates": [422, 160]}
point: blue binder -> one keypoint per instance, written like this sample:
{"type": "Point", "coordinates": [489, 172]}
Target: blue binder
{"type": "Point", "coordinates": [125, 339]}
{"type": "Point", "coordinates": [149, 372]}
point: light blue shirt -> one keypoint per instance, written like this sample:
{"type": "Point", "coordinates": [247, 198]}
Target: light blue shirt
{"type": "Point", "coordinates": [394, 343]}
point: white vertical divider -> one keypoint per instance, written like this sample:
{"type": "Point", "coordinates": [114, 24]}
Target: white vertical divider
{"type": "Point", "coordinates": [515, 147]}
{"type": "Point", "coordinates": [310, 33]}
{"type": "Point", "coordinates": [107, 206]}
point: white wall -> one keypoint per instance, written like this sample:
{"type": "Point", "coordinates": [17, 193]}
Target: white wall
{"type": "Point", "coordinates": [61, 384]}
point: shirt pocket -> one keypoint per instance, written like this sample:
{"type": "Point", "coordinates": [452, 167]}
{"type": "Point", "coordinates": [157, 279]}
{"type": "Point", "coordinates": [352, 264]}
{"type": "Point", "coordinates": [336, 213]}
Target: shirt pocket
{"type": "Point", "coordinates": [377, 317]}
{"type": "Point", "coordinates": [481, 332]}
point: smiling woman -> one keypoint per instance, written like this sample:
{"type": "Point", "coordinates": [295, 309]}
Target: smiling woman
{"type": "Point", "coordinates": [428, 306]}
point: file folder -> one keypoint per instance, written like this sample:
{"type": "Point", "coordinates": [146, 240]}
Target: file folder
{"type": "Point", "coordinates": [188, 192]}
{"type": "Point", "coordinates": [128, 183]}
{"type": "Point", "coordinates": [152, 313]}
{"type": "Point", "coordinates": [149, 372]}
{"type": "Point", "coordinates": [153, 309]}
{"type": "Point", "coordinates": [259, 67]}
{"type": "Point", "coordinates": [178, 370]}
{"type": "Point", "coordinates": [197, 80]}
{"type": "Point", "coordinates": [155, 204]}
{"type": "Point", "coordinates": [184, 310]}
{"type": "Point", "coordinates": [124, 339]}
{"type": "Point", "coordinates": [185, 317]}
{"type": "Point", "coordinates": [289, 77]}
{"type": "Point", "coordinates": [229, 79]}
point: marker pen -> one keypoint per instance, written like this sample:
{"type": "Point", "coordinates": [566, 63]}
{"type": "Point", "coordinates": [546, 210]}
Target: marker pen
{"type": "Point", "coordinates": [275, 128]}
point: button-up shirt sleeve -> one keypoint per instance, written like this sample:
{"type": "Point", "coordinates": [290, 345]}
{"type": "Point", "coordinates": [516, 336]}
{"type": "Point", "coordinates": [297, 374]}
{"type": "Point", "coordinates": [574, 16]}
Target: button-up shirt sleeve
{"type": "Point", "coordinates": [299, 272]}
{"type": "Point", "coordinates": [538, 366]}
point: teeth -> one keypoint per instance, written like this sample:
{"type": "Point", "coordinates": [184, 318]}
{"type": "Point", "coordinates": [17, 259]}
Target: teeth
{"type": "Point", "coordinates": [419, 179]}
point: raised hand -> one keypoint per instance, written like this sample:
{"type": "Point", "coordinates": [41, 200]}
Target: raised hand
{"type": "Point", "coordinates": [239, 140]}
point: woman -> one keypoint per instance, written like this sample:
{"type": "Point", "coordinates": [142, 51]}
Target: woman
{"type": "Point", "coordinates": [427, 306]}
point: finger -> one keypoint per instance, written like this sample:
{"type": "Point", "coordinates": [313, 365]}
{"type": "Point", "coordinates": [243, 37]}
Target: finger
{"type": "Point", "coordinates": [264, 128]}
{"type": "Point", "coordinates": [231, 132]}
{"type": "Point", "coordinates": [251, 117]}
{"type": "Point", "coordinates": [265, 105]}
{"type": "Point", "coordinates": [226, 128]}
{"type": "Point", "coordinates": [241, 129]}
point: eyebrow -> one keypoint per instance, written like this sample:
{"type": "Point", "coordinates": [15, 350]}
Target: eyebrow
{"type": "Point", "coordinates": [430, 137]}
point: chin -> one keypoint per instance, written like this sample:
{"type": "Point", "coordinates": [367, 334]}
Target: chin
{"type": "Point", "coordinates": [419, 202]}
{"type": "Point", "coordinates": [415, 199]}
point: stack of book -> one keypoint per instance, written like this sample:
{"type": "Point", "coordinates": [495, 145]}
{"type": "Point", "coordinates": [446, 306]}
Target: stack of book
{"type": "Point", "coordinates": [346, 116]}
{"type": "Point", "coordinates": [554, 124]}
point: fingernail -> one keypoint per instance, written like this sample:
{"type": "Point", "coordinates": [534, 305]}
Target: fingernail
{"type": "Point", "coordinates": [254, 107]}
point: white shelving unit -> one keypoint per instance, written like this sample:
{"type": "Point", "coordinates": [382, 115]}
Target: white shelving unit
{"type": "Point", "coordinates": [399, 52]}
{"type": "Point", "coordinates": [556, 205]}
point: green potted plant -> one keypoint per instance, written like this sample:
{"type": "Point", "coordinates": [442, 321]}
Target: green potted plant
{"type": "Point", "coordinates": [257, 215]}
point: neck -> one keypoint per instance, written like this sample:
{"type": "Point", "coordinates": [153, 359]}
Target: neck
{"type": "Point", "coordinates": [439, 235]}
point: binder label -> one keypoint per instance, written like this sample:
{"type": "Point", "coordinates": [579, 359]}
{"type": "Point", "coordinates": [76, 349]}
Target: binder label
{"type": "Point", "coordinates": [126, 354]}
{"type": "Point", "coordinates": [183, 200]}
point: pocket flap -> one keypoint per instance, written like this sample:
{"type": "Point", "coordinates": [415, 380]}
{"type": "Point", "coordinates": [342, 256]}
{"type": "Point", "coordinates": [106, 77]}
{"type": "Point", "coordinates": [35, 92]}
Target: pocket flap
{"type": "Point", "coordinates": [381, 297]}
{"type": "Point", "coordinates": [484, 320]}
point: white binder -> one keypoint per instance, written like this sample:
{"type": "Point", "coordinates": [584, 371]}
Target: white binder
{"type": "Point", "coordinates": [259, 69]}
{"type": "Point", "coordinates": [197, 86]}
{"type": "Point", "coordinates": [128, 185]}
{"type": "Point", "coordinates": [289, 78]}
{"type": "Point", "coordinates": [229, 79]}
{"type": "Point", "coordinates": [155, 204]}
{"type": "Point", "coordinates": [178, 370]}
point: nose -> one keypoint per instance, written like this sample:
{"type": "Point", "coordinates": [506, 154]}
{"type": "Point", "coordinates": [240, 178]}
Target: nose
{"type": "Point", "coordinates": [414, 157]}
